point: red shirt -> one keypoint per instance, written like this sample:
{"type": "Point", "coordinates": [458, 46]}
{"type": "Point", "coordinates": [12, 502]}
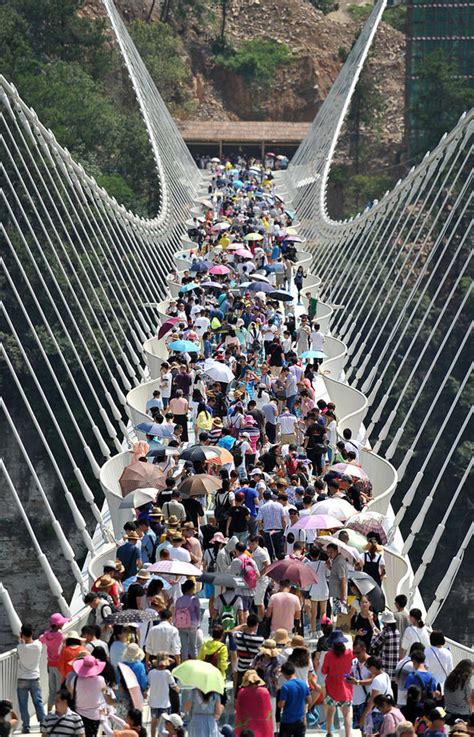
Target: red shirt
{"type": "Point", "coordinates": [334, 668]}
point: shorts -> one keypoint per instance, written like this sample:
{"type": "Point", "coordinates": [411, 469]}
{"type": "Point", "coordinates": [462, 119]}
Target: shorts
{"type": "Point", "coordinates": [260, 589]}
{"type": "Point", "coordinates": [357, 711]}
{"type": "Point", "coordinates": [231, 646]}
{"type": "Point", "coordinates": [157, 712]}
{"type": "Point", "coordinates": [247, 602]}
{"type": "Point", "coordinates": [332, 702]}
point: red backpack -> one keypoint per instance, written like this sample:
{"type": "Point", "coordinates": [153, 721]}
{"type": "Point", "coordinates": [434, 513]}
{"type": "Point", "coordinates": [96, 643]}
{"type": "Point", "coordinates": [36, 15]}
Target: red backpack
{"type": "Point", "coordinates": [249, 574]}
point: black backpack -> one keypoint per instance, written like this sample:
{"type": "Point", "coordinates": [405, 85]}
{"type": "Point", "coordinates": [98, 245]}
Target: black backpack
{"type": "Point", "coordinates": [222, 505]}
{"type": "Point", "coordinates": [237, 453]}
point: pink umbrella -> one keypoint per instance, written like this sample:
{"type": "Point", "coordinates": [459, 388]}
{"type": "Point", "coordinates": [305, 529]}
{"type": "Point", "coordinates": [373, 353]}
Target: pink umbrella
{"type": "Point", "coordinates": [351, 470]}
{"type": "Point", "coordinates": [317, 522]}
{"type": "Point", "coordinates": [294, 570]}
{"type": "Point", "coordinates": [293, 239]}
{"type": "Point", "coordinates": [244, 253]}
{"type": "Point", "coordinates": [235, 246]}
{"type": "Point", "coordinates": [167, 325]}
{"type": "Point", "coordinates": [367, 522]}
{"type": "Point", "coordinates": [133, 687]}
{"type": "Point", "coordinates": [175, 568]}
{"type": "Point", "coordinates": [141, 475]}
{"type": "Point", "coordinates": [220, 270]}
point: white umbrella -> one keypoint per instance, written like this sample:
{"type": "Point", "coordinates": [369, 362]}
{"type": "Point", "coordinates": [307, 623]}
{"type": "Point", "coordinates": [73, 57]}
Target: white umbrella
{"type": "Point", "coordinates": [260, 277]}
{"type": "Point", "coordinates": [351, 469]}
{"type": "Point", "coordinates": [346, 551]}
{"type": "Point", "coordinates": [218, 371]}
{"type": "Point", "coordinates": [216, 160]}
{"type": "Point", "coordinates": [338, 508]}
{"type": "Point", "coordinates": [221, 226]}
{"type": "Point", "coordinates": [138, 497]}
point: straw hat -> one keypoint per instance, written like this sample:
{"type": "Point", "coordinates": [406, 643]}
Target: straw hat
{"type": "Point", "coordinates": [217, 421]}
{"type": "Point", "coordinates": [133, 653]}
{"type": "Point", "coordinates": [251, 678]}
{"type": "Point", "coordinates": [177, 537]}
{"type": "Point", "coordinates": [155, 512]}
{"type": "Point", "coordinates": [281, 637]}
{"type": "Point", "coordinates": [104, 583]}
{"type": "Point", "coordinates": [88, 667]}
{"type": "Point", "coordinates": [143, 574]}
{"type": "Point", "coordinates": [188, 526]}
{"type": "Point", "coordinates": [73, 635]}
{"type": "Point", "coordinates": [132, 535]}
{"type": "Point", "coordinates": [173, 521]}
{"type": "Point", "coordinates": [298, 641]}
{"type": "Point", "coordinates": [269, 648]}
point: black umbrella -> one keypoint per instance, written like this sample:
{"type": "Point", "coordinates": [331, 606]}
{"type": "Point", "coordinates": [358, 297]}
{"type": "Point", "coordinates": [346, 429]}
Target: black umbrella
{"type": "Point", "coordinates": [161, 454]}
{"type": "Point", "coordinates": [369, 588]}
{"type": "Point", "coordinates": [280, 294]}
{"type": "Point", "coordinates": [130, 616]}
{"type": "Point", "coordinates": [196, 453]}
{"type": "Point", "coordinates": [222, 579]}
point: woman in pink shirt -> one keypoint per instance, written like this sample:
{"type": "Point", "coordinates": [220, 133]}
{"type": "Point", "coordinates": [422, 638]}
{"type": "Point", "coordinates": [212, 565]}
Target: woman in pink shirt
{"type": "Point", "coordinates": [337, 664]}
{"type": "Point", "coordinates": [179, 407]}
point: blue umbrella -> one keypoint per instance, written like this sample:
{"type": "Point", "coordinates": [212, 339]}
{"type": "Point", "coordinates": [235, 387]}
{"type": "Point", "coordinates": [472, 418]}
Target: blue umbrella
{"type": "Point", "coordinates": [201, 266]}
{"type": "Point", "coordinates": [184, 346]}
{"type": "Point", "coordinates": [274, 268]}
{"type": "Point", "coordinates": [188, 287]}
{"type": "Point", "coordinates": [312, 354]}
{"type": "Point", "coordinates": [150, 428]}
{"type": "Point", "coordinates": [234, 172]}
{"type": "Point", "coordinates": [259, 286]}
{"type": "Point", "coordinates": [238, 184]}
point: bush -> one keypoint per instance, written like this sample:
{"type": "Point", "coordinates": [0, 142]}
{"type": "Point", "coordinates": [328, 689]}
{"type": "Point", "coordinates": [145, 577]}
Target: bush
{"type": "Point", "coordinates": [325, 6]}
{"type": "Point", "coordinates": [360, 12]}
{"type": "Point", "coordinates": [256, 60]}
{"type": "Point", "coordinates": [396, 17]}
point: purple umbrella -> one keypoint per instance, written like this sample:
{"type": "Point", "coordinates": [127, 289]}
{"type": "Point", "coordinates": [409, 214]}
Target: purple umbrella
{"type": "Point", "coordinates": [259, 286]}
{"type": "Point", "coordinates": [293, 239]}
{"type": "Point", "coordinates": [211, 284]}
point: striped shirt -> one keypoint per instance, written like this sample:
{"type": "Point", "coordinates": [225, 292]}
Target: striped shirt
{"type": "Point", "coordinates": [271, 514]}
{"type": "Point", "coordinates": [68, 724]}
{"type": "Point", "coordinates": [247, 648]}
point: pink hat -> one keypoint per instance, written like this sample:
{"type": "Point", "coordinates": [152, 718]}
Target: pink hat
{"type": "Point", "coordinates": [58, 619]}
{"type": "Point", "coordinates": [326, 620]}
{"type": "Point", "coordinates": [219, 538]}
{"type": "Point", "coordinates": [88, 667]}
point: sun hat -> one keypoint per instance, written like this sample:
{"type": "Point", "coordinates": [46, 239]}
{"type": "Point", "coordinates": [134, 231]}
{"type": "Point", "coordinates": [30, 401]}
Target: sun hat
{"type": "Point", "coordinates": [132, 535]}
{"type": "Point", "coordinates": [88, 667]}
{"type": "Point", "coordinates": [387, 617]}
{"type": "Point", "coordinates": [337, 636]}
{"type": "Point", "coordinates": [144, 574]}
{"type": "Point", "coordinates": [188, 526]}
{"type": "Point", "coordinates": [104, 583]}
{"type": "Point", "coordinates": [217, 421]}
{"type": "Point", "coordinates": [219, 538]}
{"type": "Point", "coordinates": [245, 435]}
{"type": "Point", "coordinates": [57, 619]}
{"type": "Point", "coordinates": [112, 564]}
{"type": "Point", "coordinates": [175, 720]}
{"type": "Point", "coordinates": [173, 521]}
{"type": "Point", "coordinates": [251, 678]}
{"type": "Point", "coordinates": [298, 641]}
{"type": "Point", "coordinates": [177, 537]}
{"type": "Point", "coordinates": [281, 636]}
{"type": "Point", "coordinates": [155, 512]}
{"type": "Point", "coordinates": [268, 647]}
{"type": "Point", "coordinates": [73, 635]}
{"type": "Point", "coordinates": [256, 471]}
{"type": "Point", "coordinates": [133, 653]}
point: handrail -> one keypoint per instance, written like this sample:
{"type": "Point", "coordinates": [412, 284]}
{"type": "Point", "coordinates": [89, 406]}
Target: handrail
{"type": "Point", "coordinates": [137, 399]}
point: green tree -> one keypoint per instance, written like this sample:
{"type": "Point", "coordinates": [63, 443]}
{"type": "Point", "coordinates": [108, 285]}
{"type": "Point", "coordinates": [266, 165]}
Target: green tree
{"type": "Point", "coordinates": [441, 100]}
{"type": "Point", "coordinates": [257, 60]}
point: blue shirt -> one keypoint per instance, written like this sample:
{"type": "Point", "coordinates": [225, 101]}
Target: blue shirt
{"type": "Point", "coordinates": [148, 542]}
{"type": "Point", "coordinates": [417, 678]}
{"type": "Point", "coordinates": [294, 693]}
{"type": "Point", "coordinates": [226, 442]}
{"type": "Point", "coordinates": [128, 555]}
{"type": "Point", "coordinates": [250, 496]}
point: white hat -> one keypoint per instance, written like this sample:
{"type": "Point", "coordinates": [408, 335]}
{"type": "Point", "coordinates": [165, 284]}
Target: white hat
{"type": "Point", "coordinates": [175, 720]}
{"type": "Point", "coordinates": [387, 617]}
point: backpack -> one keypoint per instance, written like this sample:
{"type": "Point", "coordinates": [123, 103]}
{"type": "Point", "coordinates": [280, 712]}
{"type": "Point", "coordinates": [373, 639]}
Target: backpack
{"type": "Point", "coordinates": [227, 617]}
{"type": "Point", "coordinates": [426, 691]}
{"type": "Point", "coordinates": [182, 618]}
{"type": "Point", "coordinates": [107, 600]}
{"type": "Point", "coordinates": [221, 505]}
{"type": "Point", "coordinates": [213, 658]}
{"type": "Point", "coordinates": [248, 572]}
{"type": "Point", "coordinates": [236, 453]}
{"type": "Point", "coordinates": [211, 566]}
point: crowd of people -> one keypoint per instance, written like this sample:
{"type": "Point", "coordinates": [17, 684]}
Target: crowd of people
{"type": "Point", "coordinates": [257, 566]}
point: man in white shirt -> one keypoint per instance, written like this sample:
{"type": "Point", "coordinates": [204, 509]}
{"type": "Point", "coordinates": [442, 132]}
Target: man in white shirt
{"type": "Point", "coordinates": [29, 653]}
{"type": "Point", "coordinates": [166, 381]}
{"type": "Point", "coordinates": [287, 427]}
{"type": "Point", "coordinates": [439, 660]}
{"type": "Point", "coordinates": [202, 323]}
{"type": "Point", "coordinates": [163, 638]}
{"type": "Point", "coordinates": [350, 443]}
{"type": "Point", "coordinates": [316, 338]}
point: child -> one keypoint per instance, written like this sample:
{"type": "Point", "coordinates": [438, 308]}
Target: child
{"type": "Point", "coordinates": [437, 719]}
{"type": "Point", "coordinates": [53, 640]}
{"type": "Point", "coordinates": [8, 718]}
{"type": "Point", "coordinates": [160, 681]}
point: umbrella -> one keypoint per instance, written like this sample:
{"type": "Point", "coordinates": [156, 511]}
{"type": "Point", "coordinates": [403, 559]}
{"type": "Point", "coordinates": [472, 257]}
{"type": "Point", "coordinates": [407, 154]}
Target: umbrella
{"type": "Point", "coordinates": [357, 540]}
{"type": "Point", "coordinates": [150, 428]}
{"type": "Point", "coordinates": [270, 154]}
{"type": "Point", "coordinates": [313, 354]}
{"type": "Point", "coordinates": [141, 475]}
{"type": "Point", "coordinates": [218, 371]}
{"type": "Point", "coordinates": [215, 160]}
{"type": "Point", "coordinates": [369, 588]}
{"type": "Point", "coordinates": [281, 295]}
{"type": "Point", "coordinates": [351, 470]}
{"type": "Point", "coordinates": [138, 497]}
{"type": "Point", "coordinates": [224, 225]}
{"type": "Point", "coordinates": [291, 231]}
{"type": "Point", "coordinates": [224, 457]}
{"type": "Point", "coordinates": [338, 508]}
{"type": "Point", "coordinates": [167, 325]}
{"type": "Point", "coordinates": [260, 277]}
{"type": "Point", "coordinates": [222, 579]}
{"type": "Point", "coordinates": [206, 202]}
{"type": "Point", "coordinates": [201, 266]}
{"type": "Point", "coordinates": [259, 286]}
{"type": "Point", "coordinates": [234, 172]}
{"type": "Point", "coordinates": [235, 246]}
{"type": "Point", "coordinates": [129, 616]}
{"type": "Point", "coordinates": [244, 253]}
{"type": "Point", "coordinates": [294, 570]}
{"type": "Point", "coordinates": [198, 453]}
{"type": "Point", "coordinates": [188, 287]}
{"type": "Point", "coordinates": [200, 674]}
{"type": "Point", "coordinates": [162, 453]}
{"type": "Point", "coordinates": [211, 284]}
{"type": "Point", "coordinates": [317, 522]}
{"type": "Point", "coordinates": [238, 184]}
{"type": "Point", "coordinates": [367, 522]}
{"type": "Point", "coordinates": [128, 677]}
{"type": "Point", "coordinates": [280, 157]}
{"type": "Point", "coordinates": [184, 346]}
{"type": "Point", "coordinates": [345, 550]}
{"type": "Point", "coordinates": [174, 568]}
{"type": "Point", "coordinates": [200, 484]}
{"type": "Point", "coordinates": [220, 270]}
{"type": "Point", "coordinates": [293, 239]}
{"type": "Point", "coordinates": [253, 237]}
